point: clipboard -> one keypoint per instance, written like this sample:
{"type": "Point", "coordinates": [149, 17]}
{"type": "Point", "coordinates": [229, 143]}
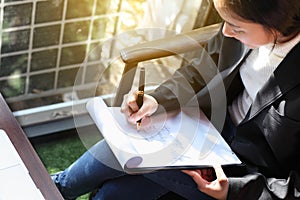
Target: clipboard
{"type": "Point", "coordinates": [178, 140]}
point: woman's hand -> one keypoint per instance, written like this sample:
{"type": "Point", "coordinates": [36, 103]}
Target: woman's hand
{"type": "Point", "coordinates": [131, 110]}
{"type": "Point", "coordinates": [217, 188]}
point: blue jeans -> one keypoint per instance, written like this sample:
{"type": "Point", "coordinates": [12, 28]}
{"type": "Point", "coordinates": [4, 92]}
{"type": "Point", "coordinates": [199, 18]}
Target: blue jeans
{"type": "Point", "coordinates": [98, 168]}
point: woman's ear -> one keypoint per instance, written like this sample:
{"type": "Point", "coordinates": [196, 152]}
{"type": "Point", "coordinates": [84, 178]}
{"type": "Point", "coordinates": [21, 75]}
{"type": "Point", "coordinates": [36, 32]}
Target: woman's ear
{"type": "Point", "coordinates": [280, 38]}
{"type": "Point", "coordinates": [276, 35]}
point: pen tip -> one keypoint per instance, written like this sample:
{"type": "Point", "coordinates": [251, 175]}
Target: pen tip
{"type": "Point", "coordinates": [138, 126]}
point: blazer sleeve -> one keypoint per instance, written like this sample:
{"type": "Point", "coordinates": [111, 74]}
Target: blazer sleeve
{"type": "Point", "coordinates": [257, 186]}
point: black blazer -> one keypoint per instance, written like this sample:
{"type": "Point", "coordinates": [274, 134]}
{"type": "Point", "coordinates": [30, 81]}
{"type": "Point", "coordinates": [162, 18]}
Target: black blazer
{"type": "Point", "coordinates": [268, 139]}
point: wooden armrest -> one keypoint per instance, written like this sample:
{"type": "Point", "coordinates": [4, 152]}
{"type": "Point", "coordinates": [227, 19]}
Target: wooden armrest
{"type": "Point", "coordinates": [169, 46]}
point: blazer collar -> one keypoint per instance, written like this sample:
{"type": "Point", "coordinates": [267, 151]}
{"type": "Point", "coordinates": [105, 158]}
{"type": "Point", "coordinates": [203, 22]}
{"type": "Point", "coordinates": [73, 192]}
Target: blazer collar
{"type": "Point", "coordinates": [284, 78]}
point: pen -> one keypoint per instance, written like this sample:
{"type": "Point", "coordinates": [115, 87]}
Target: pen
{"type": "Point", "coordinates": [140, 94]}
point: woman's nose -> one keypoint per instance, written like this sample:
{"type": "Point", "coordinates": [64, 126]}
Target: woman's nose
{"type": "Point", "coordinates": [227, 31]}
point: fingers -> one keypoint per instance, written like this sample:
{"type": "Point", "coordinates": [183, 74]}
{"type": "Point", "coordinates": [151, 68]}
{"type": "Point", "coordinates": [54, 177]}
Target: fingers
{"type": "Point", "coordinates": [191, 173]}
{"type": "Point", "coordinates": [149, 106]}
{"type": "Point", "coordinates": [221, 177]}
{"type": "Point", "coordinates": [217, 188]}
{"type": "Point", "coordinates": [131, 102]}
{"type": "Point", "coordinates": [208, 174]}
{"type": "Point", "coordinates": [126, 107]}
{"type": "Point", "coordinates": [129, 106]}
{"type": "Point", "coordinates": [133, 112]}
{"type": "Point", "coordinates": [197, 177]}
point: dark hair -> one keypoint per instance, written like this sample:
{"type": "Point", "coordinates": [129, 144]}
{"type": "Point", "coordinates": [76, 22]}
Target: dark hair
{"type": "Point", "coordinates": [281, 15]}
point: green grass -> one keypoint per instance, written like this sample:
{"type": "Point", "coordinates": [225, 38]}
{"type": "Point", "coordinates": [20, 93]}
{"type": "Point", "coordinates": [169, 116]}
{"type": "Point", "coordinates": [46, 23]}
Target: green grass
{"type": "Point", "coordinates": [58, 151]}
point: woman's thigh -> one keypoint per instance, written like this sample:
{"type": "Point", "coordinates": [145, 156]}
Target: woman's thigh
{"type": "Point", "coordinates": [178, 182]}
{"type": "Point", "coordinates": [133, 187]}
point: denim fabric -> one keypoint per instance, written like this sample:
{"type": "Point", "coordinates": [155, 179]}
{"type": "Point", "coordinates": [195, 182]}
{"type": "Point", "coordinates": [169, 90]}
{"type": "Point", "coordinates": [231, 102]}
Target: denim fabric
{"type": "Point", "coordinates": [98, 168]}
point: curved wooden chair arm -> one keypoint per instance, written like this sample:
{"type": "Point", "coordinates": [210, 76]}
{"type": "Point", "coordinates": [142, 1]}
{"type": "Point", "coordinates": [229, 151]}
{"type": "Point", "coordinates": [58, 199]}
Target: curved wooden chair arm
{"type": "Point", "coordinates": [168, 46]}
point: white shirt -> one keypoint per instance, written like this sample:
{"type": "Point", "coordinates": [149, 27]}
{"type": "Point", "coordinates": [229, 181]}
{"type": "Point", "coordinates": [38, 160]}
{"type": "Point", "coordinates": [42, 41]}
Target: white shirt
{"type": "Point", "coordinates": [255, 72]}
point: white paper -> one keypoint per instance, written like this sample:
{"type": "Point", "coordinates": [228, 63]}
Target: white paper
{"type": "Point", "coordinates": [184, 139]}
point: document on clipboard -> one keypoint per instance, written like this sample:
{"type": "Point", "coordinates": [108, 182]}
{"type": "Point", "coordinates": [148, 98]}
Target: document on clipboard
{"type": "Point", "coordinates": [178, 140]}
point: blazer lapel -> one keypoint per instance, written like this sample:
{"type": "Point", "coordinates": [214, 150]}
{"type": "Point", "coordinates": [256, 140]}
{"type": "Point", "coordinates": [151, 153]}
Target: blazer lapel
{"type": "Point", "coordinates": [284, 78]}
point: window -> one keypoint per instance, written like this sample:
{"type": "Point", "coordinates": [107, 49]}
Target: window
{"type": "Point", "coordinates": [44, 44]}
{"type": "Point", "coordinates": [57, 51]}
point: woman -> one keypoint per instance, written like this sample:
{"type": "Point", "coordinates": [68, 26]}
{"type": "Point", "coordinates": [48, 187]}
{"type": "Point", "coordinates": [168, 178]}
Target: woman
{"type": "Point", "coordinates": [259, 55]}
